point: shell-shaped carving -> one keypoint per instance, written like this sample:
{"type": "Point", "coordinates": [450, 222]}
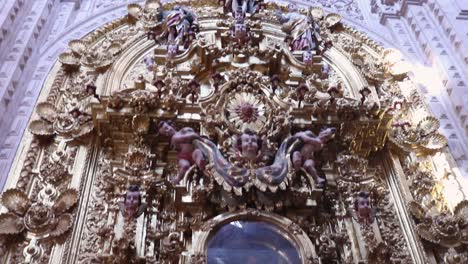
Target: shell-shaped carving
{"type": "Point", "coordinates": [391, 56]}
{"type": "Point", "coordinates": [46, 111]}
{"type": "Point", "coordinates": [416, 210]}
{"type": "Point", "coordinates": [316, 12]}
{"type": "Point", "coordinates": [69, 61]}
{"type": "Point", "coordinates": [16, 201]}
{"type": "Point", "coordinates": [65, 201]}
{"type": "Point", "coordinates": [103, 65]}
{"type": "Point", "coordinates": [425, 233]}
{"type": "Point", "coordinates": [11, 224]}
{"type": "Point", "coordinates": [64, 223]}
{"type": "Point", "coordinates": [114, 48]}
{"type": "Point", "coordinates": [153, 4]}
{"type": "Point", "coordinates": [332, 20]}
{"type": "Point", "coordinates": [134, 10]}
{"type": "Point", "coordinates": [428, 125]}
{"type": "Point", "coordinates": [357, 59]}
{"type": "Point", "coordinates": [434, 142]}
{"type": "Point", "coordinates": [41, 128]}
{"type": "Point", "coordinates": [461, 210]}
{"type": "Point", "coordinates": [140, 124]}
{"type": "Point", "coordinates": [400, 69]}
{"type": "Point", "coordinates": [83, 130]}
{"type": "Point", "coordinates": [78, 46]}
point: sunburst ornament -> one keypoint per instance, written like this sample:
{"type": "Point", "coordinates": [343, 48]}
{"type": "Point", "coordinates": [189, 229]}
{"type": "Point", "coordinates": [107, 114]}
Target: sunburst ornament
{"type": "Point", "coordinates": [245, 110]}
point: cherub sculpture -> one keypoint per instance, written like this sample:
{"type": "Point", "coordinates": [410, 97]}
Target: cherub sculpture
{"type": "Point", "coordinates": [132, 206]}
{"type": "Point", "coordinates": [248, 146]}
{"type": "Point", "coordinates": [249, 152]}
{"type": "Point", "coordinates": [302, 29]}
{"type": "Point", "coordinates": [304, 157]}
{"type": "Point", "coordinates": [187, 154]}
{"type": "Point", "coordinates": [363, 208]}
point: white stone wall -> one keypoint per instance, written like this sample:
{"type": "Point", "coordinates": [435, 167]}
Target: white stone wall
{"type": "Point", "coordinates": [430, 33]}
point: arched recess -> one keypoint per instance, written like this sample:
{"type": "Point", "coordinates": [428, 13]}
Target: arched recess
{"type": "Point", "coordinates": [286, 227]}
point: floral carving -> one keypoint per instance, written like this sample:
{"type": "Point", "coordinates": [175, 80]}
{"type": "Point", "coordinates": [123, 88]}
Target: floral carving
{"type": "Point", "coordinates": [40, 219]}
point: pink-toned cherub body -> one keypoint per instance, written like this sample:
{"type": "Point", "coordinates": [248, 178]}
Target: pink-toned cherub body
{"type": "Point", "coordinates": [305, 156]}
{"type": "Point", "coordinates": [187, 154]}
{"type": "Point", "coordinates": [363, 208]}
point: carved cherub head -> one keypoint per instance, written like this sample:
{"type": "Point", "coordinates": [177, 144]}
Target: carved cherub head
{"type": "Point", "coordinates": [90, 88]}
{"type": "Point", "coordinates": [166, 129]}
{"type": "Point", "coordinates": [239, 16]}
{"type": "Point", "coordinates": [75, 112]}
{"type": "Point", "coordinates": [327, 133]}
{"type": "Point", "coordinates": [363, 208]}
{"type": "Point", "coordinates": [248, 144]}
{"type": "Point", "coordinates": [240, 30]}
{"type": "Point", "coordinates": [307, 57]}
{"type": "Point", "coordinates": [132, 205]}
{"type": "Point", "coordinates": [172, 49]}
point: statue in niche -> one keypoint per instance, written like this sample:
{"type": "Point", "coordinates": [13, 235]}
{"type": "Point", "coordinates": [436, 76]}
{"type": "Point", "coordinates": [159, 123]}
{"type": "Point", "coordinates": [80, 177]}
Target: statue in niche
{"type": "Point", "coordinates": [149, 63]}
{"type": "Point", "coordinates": [240, 33]}
{"type": "Point", "coordinates": [91, 97]}
{"type": "Point", "coordinates": [307, 57]}
{"type": "Point", "coordinates": [303, 31]}
{"type": "Point", "coordinates": [362, 208]}
{"type": "Point", "coordinates": [304, 157]}
{"type": "Point", "coordinates": [240, 8]}
{"type": "Point", "coordinates": [182, 141]}
{"type": "Point", "coordinates": [181, 24]}
{"type": "Point", "coordinates": [132, 206]}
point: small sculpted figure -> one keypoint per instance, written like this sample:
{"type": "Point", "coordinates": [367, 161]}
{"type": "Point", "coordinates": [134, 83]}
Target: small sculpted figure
{"type": "Point", "coordinates": [89, 97]}
{"type": "Point", "coordinates": [149, 62]}
{"type": "Point", "coordinates": [302, 29]}
{"type": "Point", "coordinates": [240, 8]}
{"type": "Point", "coordinates": [132, 207]}
{"type": "Point", "coordinates": [305, 156]}
{"type": "Point", "coordinates": [363, 208]}
{"type": "Point", "coordinates": [187, 153]}
{"type": "Point", "coordinates": [180, 23]}
{"type": "Point", "coordinates": [193, 90]}
{"type": "Point", "coordinates": [240, 32]}
{"type": "Point", "coordinates": [307, 57]}
{"type": "Point", "coordinates": [159, 84]}
{"type": "Point", "coordinates": [217, 80]}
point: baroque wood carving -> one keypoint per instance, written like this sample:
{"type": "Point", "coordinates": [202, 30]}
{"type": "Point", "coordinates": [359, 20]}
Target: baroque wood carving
{"type": "Point", "coordinates": [163, 126]}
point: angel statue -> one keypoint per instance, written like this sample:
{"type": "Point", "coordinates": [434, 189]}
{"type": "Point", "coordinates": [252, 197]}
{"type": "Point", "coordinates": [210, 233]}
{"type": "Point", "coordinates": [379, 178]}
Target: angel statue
{"type": "Point", "coordinates": [240, 8]}
{"type": "Point", "coordinates": [303, 31]}
{"type": "Point", "coordinates": [304, 157]}
{"type": "Point", "coordinates": [188, 154]}
{"type": "Point", "coordinates": [362, 208]}
{"type": "Point", "coordinates": [181, 24]}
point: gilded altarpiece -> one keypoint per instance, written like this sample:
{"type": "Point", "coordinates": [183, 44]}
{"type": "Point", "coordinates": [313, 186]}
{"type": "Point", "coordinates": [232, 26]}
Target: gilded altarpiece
{"type": "Point", "coordinates": [230, 132]}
